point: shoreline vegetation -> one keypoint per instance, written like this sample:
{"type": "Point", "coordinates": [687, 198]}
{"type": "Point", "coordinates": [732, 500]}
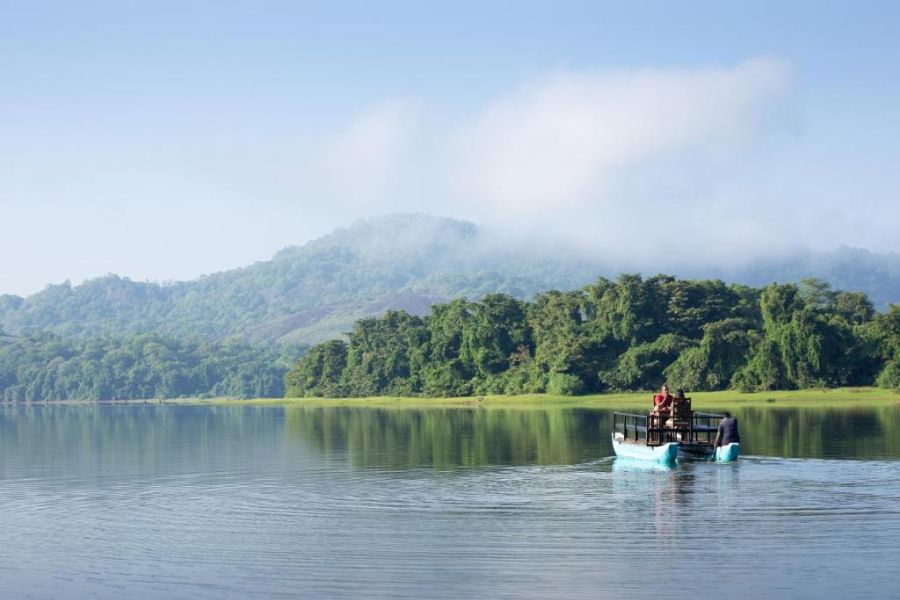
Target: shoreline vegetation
{"type": "Point", "coordinates": [146, 365]}
{"type": "Point", "coordinates": [614, 336]}
{"type": "Point", "coordinates": [855, 397]}
{"type": "Point", "coordinates": [608, 337]}
{"type": "Point", "coordinates": [813, 398]}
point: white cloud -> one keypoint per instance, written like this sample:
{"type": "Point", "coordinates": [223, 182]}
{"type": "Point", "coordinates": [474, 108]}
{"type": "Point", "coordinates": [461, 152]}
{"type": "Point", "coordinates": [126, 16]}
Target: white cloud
{"type": "Point", "coordinates": [616, 162]}
{"type": "Point", "coordinates": [559, 142]}
{"type": "Point", "coordinates": [645, 167]}
{"type": "Point", "coordinates": [365, 164]}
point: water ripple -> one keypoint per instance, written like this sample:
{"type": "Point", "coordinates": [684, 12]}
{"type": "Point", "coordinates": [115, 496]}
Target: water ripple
{"type": "Point", "coordinates": [263, 514]}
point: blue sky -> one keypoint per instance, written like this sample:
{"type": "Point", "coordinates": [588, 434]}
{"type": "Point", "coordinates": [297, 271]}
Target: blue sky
{"type": "Point", "coordinates": [165, 140]}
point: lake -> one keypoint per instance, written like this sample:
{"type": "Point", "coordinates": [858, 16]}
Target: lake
{"type": "Point", "coordinates": [150, 501]}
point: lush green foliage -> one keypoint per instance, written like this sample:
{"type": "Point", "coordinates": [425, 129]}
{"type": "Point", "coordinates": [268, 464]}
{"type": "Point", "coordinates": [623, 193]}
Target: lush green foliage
{"type": "Point", "coordinates": [141, 367]}
{"type": "Point", "coordinates": [885, 333]}
{"type": "Point", "coordinates": [628, 334]}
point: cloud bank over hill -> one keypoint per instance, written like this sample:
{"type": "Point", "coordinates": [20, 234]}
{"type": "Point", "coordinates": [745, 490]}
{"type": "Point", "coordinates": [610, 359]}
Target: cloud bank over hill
{"type": "Point", "coordinates": [625, 163]}
{"type": "Point", "coordinates": [650, 169]}
{"type": "Point", "coordinates": [557, 143]}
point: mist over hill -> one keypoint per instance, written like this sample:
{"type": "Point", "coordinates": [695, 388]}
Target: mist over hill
{"type": "Point", "coordinates": [308, 293]}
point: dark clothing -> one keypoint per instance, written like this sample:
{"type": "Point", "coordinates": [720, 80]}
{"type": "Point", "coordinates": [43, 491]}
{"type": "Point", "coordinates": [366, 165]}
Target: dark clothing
{"type": "Point", "coordinates": [728, 431]}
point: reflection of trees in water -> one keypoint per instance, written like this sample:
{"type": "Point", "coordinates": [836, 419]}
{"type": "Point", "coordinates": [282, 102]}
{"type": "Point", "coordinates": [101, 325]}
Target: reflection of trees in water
{"type": "Point", "coordinates": [151, 438]}
{"type": "Point", "coordinates": [821, 432]}
{"type": "Point", "coordinates": [158, 438]}
{"type": "Point", "coordinates": [451, 437]}
{"type": "Point", "coordinates": [664, 493]}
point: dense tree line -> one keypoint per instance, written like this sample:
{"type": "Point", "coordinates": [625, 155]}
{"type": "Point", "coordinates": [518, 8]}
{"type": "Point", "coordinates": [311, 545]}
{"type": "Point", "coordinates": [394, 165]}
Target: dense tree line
{"type": "Point", "coordinates": [627, 334]}
{"type": "Point", "coordinates": [144, 366]}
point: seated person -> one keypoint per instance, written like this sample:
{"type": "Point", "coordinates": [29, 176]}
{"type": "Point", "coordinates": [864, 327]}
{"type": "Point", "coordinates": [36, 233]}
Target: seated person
{"type": "Point", "coordinates": [681, 410]}
{"type": "Point", "coordinates": [728, 431]}
{"type": "Point", "coordinates": [662, 402]}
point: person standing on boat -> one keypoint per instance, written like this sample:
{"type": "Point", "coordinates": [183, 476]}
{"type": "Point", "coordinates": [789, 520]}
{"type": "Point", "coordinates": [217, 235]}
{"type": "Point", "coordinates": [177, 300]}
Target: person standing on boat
{"type": "Point", "coordinates": [662, 402]}
{"type": "Point", "coordinates": [728, 431]}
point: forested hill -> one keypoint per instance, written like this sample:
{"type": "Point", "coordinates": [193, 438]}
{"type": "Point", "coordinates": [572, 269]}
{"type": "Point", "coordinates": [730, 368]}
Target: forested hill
{"type": "Point", "coordinates": [876, 275]}
{"type": "Point", "coordinates": [305, 293]}
{"type": "Point", "coordinates": [627, 334]}
{"type": "Point", "coordinates": [316, 291]}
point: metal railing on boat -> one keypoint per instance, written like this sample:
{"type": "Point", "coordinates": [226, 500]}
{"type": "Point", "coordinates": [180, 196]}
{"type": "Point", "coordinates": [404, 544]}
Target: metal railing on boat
{"type": "Point", "coordinates": [704, 426]}
{"type": "Point", "coordinates": [652, 430]}
{"type": "Point", "coordinates": [635, 428]}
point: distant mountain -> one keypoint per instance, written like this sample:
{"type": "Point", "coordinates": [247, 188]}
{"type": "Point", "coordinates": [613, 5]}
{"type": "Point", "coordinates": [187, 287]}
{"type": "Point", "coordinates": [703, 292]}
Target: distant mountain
{"type": "Point", "coordinates": [852, 269]}
{"type": "Point", "coordinates": [304, 293]}
{"type": "Point", "coordinates": [315, 291]}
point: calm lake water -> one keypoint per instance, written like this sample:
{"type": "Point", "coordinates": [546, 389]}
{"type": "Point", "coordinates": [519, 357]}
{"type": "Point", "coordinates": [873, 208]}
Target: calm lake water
{"type": "Point", "coordinates": [268, 502]}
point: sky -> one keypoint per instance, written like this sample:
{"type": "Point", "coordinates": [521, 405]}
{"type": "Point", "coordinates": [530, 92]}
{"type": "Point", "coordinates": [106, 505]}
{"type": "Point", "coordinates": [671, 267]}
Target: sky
{"type": "Point", "coordinates": [164, 140]}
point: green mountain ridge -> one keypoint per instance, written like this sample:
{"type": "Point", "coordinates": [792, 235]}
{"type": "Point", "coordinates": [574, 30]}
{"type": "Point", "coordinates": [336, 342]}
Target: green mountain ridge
{"type": "Point", "coordinates": [316, 291]}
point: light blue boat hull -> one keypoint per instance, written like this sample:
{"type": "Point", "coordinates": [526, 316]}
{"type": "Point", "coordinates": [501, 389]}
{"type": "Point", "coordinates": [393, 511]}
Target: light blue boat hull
{"type": "Point", "coordinates": [665, 454]}
{"type": "Point", "coordinates": [728, 453]}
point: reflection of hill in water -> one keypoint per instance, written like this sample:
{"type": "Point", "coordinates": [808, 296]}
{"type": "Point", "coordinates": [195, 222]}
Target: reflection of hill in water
{"type": "Point", "coordinates": [147, 439]}
{"type": "Point", "coordinates": [821, 432]}
{"type": "Point", "coordinates": [452, 437]}
{"type": "Point", "coordinates": [137, 439]}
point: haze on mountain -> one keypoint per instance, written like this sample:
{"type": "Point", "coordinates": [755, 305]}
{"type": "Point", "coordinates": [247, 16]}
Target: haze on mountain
{"type": "Point", "coordinates": [316, 291]}
{"type": "Point", "coordinates": [168, 139]}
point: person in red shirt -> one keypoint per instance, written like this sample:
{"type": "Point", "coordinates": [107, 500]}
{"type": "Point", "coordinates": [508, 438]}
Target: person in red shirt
{"type": "Point", "coordinates": [662, 402]}
{"type": "Point", "coordinates": [662, 408]}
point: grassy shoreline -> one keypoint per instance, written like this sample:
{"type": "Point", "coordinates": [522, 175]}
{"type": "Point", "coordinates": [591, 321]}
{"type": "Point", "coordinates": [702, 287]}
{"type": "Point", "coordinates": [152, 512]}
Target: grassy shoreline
{"type": "Point", "coordinates": [839, 397]}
